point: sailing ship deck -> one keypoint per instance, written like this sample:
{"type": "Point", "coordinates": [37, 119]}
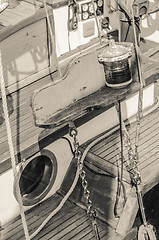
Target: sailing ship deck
{"type": "Point", "coordinates": [27, 137]}
{"type": "Point", "coordinates": [72, 222]}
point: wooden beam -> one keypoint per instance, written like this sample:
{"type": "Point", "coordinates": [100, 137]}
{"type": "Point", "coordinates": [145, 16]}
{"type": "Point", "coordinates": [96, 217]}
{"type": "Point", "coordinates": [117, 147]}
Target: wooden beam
{"type": "Point", "coordinates": [129, 213]}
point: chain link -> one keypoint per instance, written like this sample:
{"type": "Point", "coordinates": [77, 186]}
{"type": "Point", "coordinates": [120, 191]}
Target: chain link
{"type": "Point", "coordinates": [133, 157]}
{"type": "Point", "coordinates": [92, 213]}
{"type": "Point", "coordinates": [131, 164]}
{"type": "Point", "coordinates": [132, 161]}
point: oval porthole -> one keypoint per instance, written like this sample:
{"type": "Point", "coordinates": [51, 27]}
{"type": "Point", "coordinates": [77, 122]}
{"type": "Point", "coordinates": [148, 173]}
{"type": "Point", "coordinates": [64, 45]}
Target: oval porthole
{"type": "Point", "coordinates": [37, 178]}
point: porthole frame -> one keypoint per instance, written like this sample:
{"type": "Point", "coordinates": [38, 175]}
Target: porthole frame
{"type": "Point", "coordinates": [32, 201]}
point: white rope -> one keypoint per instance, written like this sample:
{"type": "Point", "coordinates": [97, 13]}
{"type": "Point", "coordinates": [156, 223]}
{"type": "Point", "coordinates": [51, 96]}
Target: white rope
{"type": "Point", "coordinates": [52, 38]}
{"type": "Point", "coordinates": [146, 231]}
{"type": "Point", "coordinates": [11, 149]}
{"type": "Point", "coordinates": [59, 206]}
{"type": "Point", "coordinates": [73, 184]}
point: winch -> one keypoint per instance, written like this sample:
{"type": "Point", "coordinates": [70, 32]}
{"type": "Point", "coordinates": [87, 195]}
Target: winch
{"type": "Point", "coordinates": [117, 64]}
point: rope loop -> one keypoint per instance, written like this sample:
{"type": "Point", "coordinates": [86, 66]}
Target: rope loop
{"type": "Point", "coordinates": [146, 232]}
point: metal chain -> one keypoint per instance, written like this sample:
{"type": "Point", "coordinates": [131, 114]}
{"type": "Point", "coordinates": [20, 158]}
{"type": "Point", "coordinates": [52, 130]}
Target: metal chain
{"type": "Point", "coordinates": [133, 157]}
{"type": "Point", "coordinates": [131, 162]}
{"type": "Point", "coordinates": [92, 213]}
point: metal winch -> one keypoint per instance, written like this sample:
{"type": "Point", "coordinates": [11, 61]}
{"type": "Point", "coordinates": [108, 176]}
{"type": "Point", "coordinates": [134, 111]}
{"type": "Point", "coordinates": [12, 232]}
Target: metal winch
{"type": "Point", "coordinates": [117, 64]}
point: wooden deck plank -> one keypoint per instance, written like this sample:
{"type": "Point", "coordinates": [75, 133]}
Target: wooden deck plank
{"type": "Point", "coordinates": [17, 14]}
{"type": "Point", "coordinates": [41, 211]}
{"type": "Point", "coordinates": [107, 143]}
{"type": "Point", "coordinates": [15, 230]}
{"type": "Point", "coordinates": [10, 14]}
{"type": "Point", "coordinates": [79, 230]}
{"type": "Point", "coordinates": [72, 228]}
{"type": "Point", "coordinates": [55, 227]}
{"type": "Point", "coordinates": [111, 145]}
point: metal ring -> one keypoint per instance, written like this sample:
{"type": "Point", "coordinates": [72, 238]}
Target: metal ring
{"type": "Point", "coordinates": [73, 131]}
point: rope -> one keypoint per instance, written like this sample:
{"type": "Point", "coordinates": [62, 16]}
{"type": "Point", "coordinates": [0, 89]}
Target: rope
{"type": "Point", "coordinates": [11, 149]}
{"type": "Point", "coordinates": [120, 179]}
{"type": "Point", "coordinates": [73, 184]}
{"type": "Point", "coordinates": [97, 23]}
{"type": "Point", "coordinates": [141, 79]}
{"type": "Point", "coordinates": [52, 38]}
{"type": "Point", "coordinates": [59, 206]}
{"type": "Point", "coordinates": [146, 232]}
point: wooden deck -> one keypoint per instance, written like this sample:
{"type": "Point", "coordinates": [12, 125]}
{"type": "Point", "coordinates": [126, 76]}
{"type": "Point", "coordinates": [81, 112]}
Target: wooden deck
{"type": "Point", "coordinates": [72, 222]}
{"type": "Point", "coordinates": [27, 137]}
{"type": "Point", "coordinates": [12, 16]}
{"type": "Point", "coordinates": [105, 156]}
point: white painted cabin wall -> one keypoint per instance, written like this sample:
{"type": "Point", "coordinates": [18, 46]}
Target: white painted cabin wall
{"type": "Point", "coordinates": [151, 33]}
{"type": "Point", "coordinates": [76, 37]}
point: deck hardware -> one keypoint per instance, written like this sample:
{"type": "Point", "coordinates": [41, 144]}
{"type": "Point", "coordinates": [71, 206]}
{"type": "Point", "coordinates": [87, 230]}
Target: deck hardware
{"type": "Point", "coordinates": [73, 10]}
{"type": "Point", "coordinates": [72, 129]}
{"type": "Point", "coordinates": [117, 64]}
{"type": "Point", "coordinates": [36, 177]}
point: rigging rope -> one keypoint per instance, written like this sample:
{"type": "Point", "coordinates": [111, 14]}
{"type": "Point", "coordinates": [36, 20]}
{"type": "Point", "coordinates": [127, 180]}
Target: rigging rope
{"type": "Point", "coordinates": [97, 23]}
{"type": "Point", "coordinates": [145, 230]}
{"type": "Point", "coordinates": [120, 178]}
{"type": "Point", "coordinates": [53, 40]}
{"type": "Point", "coordinates": [11, 149]}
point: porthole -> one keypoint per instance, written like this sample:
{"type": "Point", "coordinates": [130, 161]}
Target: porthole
{"type": "Point", "coordinates": [37, 177]}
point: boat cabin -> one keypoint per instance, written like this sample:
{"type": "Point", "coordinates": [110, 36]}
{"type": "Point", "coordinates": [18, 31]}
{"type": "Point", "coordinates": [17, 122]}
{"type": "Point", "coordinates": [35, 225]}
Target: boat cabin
{"type": "Point", "coordinates": [79, 118]}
